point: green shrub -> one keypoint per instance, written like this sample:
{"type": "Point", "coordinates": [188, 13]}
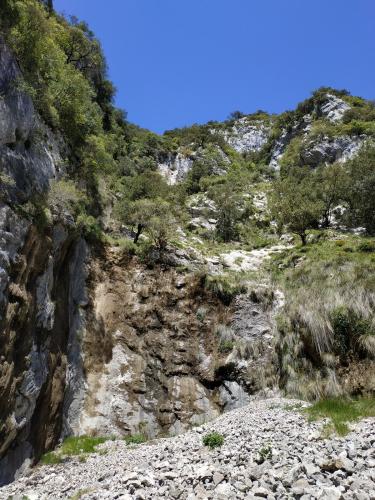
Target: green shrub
{"type": "Point", "coordinates": [201, 313]}
{"type": "Point", "coordinates": [366, 246]}
{"type": "Point", "coordinates": [226, 346]}
{"type": "Point", "coordinates": [90, 228]}
{"type": "Point", "coordinates": [226, 287]}
{"type": "Point", "coordinates": [265, 453]}
{"type": "Point", "coordinates": [352, 332]}
{"type": "Point", "coordinates": [213, 440]}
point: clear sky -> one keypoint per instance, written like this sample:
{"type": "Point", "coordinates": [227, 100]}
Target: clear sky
{"type": "Point", "coordinates": [178, 62]}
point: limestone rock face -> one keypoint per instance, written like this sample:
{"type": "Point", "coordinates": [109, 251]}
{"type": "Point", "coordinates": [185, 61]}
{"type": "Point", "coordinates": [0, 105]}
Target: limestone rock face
{"type": "Point", "coordinates": [334, 109]}
{"type": "Point", "coordinates": [153, 354]}
{"type": "Point", "coordinates": [29, 153]}
{"type": "Point", "coordinates": [246, 136]}
{"type": "Point", "coordinates": [41, 320]}
{"type": "Point", "coordinates": [329, 150]}
{"type": "Point", "coordinates": [37, 308]}
{"type": "Point", "coordinates": [320, 150]}
{"type": "Point", "coordinates": [175, 168]}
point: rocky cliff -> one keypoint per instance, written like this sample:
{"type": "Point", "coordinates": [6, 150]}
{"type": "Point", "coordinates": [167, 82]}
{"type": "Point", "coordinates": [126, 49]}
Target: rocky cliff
{"type": "Point", "coordinates": [96, 340]}
{"type": "Point", "coordinates": [40, 283]}
{"type": "Point", "coordinates": [93, 342]}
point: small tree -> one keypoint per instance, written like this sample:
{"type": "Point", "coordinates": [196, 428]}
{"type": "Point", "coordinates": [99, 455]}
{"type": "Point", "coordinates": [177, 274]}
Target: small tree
{"type": "Point", "coordinates": [151, 216]}
{"type": "Point", "coordinates": [229, 213]}
{"type": "Point", "coordinates": [236, 115]}
{"type": "Point", "coordinates": [295, 204]}
{"type": "Point", "coordinates": [361, 188]}
{"type": "Point", "coordinates": [161, 227]}
{"type": "Point", "coordinates": [331, 183]}
{"type": "Point", "coordinates": [136, 214]}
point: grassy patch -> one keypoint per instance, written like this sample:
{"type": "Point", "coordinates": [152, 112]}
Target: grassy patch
{"type": "Point", "coordinates": [73, 446]}
{"type": "Point", "coordinates": [51, 458]}
{"type": "Point", "coordinates": [226, 286]}
{"type": "Point", "coordinates": [135, 439]}
{"type": "Point", "coordinates": [213, 440]}
{"type": "Point", "coordinates": [226, 346]}
{"type": "Point", "coordinates": [329, 313]}
{"type": "Point", "coordinates": [341, 411]}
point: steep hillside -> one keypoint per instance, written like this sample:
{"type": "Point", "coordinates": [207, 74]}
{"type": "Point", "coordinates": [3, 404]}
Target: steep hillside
{"type": "Point", "coordinates": [148, 283]}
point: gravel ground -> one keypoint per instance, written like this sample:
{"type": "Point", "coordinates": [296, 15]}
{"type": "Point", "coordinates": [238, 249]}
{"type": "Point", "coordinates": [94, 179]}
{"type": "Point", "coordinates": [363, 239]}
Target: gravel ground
{"type": "Point", "coordinates": [299, 463]}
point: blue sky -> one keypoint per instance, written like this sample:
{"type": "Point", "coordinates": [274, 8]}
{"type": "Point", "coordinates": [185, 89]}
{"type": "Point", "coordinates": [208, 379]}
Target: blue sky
{"type": "Point", "coordinates": [178, 62]}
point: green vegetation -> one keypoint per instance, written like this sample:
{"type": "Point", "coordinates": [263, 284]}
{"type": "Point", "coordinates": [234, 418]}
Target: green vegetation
{"type": "Point", "coordinates": [213, 440]}
{"type": "Point", "coordinates": [303, 199]}
{"type": "Point", "coordinates": [226, 286]}
{"type": "Point", "coordinates": [73, 446]}
{"type": "Point", "coordinates": [135, 439]}
{"type": "Point", "coordinates": [265, 453]}
{"type": "Point", "coordinates": [328, 316]}
{"type": "Point", "coordinates": [342, 411]}
{"type": "Point", "coordinates": [295, 205]}
{"type": "Point", "coordinates": [360, 197]}
{"type": "Point", "coordinates": [226, 346]}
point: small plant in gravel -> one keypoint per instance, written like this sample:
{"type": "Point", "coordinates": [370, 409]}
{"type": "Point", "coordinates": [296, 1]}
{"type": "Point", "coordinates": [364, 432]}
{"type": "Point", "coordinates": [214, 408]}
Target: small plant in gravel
{"type": "Point", "coordinates": [80, 494]}
{"type": "Point", "coordinates": [294, 406]}
{"type": "Point", "coordinates": [341, 411]}
{"type": "Point", "coordinates": [213, 440]}
{"type": "Point", "coordinates": [135, 439]}
{"type": "Point", "coordinates": [265, 453]}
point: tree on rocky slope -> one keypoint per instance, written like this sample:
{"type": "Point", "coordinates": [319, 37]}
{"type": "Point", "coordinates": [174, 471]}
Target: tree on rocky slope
{"type": "Point", "coordinates": [331, 184]}
{"type": "Point", "coordinates": [361, 188]}
{"type": "Point", "coordinates": [228, 211]}
{"type": "Point", "coordinates": [295, 204]}
{"type": "Point", "coordinates": [154, 217]}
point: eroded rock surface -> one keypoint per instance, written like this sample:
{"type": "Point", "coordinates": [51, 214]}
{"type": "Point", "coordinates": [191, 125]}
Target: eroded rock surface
{"type": "Point", "coordinates": [153, 356]}
{"type": "Point", "coordinates": [247, 136]}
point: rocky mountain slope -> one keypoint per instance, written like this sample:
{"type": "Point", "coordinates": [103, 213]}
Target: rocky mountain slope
{"type": "Point", "coordinates": [269, 451]}
{"type": "Point", "coordinates": [103, 336]}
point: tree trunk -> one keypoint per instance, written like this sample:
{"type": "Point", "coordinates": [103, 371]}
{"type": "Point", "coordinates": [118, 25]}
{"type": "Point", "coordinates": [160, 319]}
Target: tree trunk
{"type": "Point", "coordinates": [138, 234]}
{"type": "Point", "coordinates": [303, 238]}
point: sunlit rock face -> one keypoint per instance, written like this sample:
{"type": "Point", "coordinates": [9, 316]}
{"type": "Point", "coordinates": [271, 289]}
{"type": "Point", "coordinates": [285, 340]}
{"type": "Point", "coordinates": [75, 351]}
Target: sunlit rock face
{"type": "Point", "coordinates": [329, 150]}
{"type": "Point", "coordinates": [247, 136]}
{"type": "Point", "coordinates": [175, 168]}
{"type": "Point", "coordinates": [334, 109]}
{"type": "Point", "coordinates": [319, 150]}
{"type": "Point", "coordinates": [152, 351]}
